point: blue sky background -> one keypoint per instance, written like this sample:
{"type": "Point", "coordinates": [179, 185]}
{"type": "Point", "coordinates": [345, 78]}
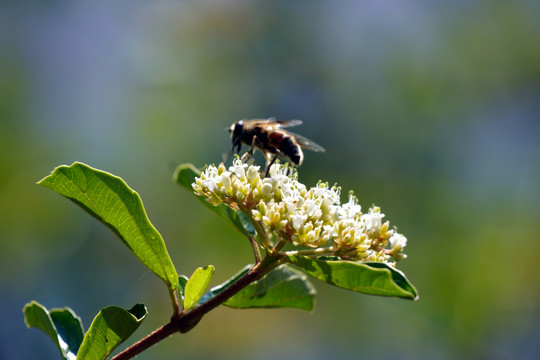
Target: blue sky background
{"type": "Point", "coordinates": [429, 109]}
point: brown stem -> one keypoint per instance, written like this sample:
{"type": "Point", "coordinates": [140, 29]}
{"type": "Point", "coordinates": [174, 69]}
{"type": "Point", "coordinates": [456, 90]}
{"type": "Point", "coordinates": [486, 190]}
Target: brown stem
{"type": "Point", "coordinates": [163, 332]}
{"type": "Point", "coordinates": [187, 320]}
{"type": "Point", "coordinates": [256, 251]}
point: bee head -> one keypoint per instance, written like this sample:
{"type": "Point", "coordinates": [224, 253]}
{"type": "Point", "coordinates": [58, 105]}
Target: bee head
{"type": "Point", "coordinates": [237, 130]}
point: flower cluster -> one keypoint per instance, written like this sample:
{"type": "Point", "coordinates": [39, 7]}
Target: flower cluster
{"type": "Point", "coordinates": [311, 218]}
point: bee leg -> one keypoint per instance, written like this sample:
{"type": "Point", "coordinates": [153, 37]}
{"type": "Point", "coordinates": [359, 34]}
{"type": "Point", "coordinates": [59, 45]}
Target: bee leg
{"type": "Point", "coordinates": [248, 155]}
{"type": "Point", "coordinates": [245, 158]}
{"type": "Point", "coordinates": [289, 168]}
{"type": "Point", "coordinates": [269, 164]}
{"type": "Point", "coordinates": [251, 150]}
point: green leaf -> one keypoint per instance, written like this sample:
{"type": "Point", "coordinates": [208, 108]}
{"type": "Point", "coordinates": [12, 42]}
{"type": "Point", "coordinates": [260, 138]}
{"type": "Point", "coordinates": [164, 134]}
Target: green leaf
{"type": "Point", "coordinates": [219, 288]}
{"type": "Point", "coordinates": [368, 278]}
{"type": "Point", "coordinates": [61, 325]}
{"type": "Point", "coordinates": [185, 175]}
{"type": "Point", "coordinates": [111, 201]}
{"type": "Point", "coordinates": [398, 277]}
{"type": "Point", "coordinates": [69, 327]}
{"type": "Point", "coordinates": [182, 281]}
{"type": "Point", "coordinates": [197, 285]}
{"type": "Point", "coordinates": [109, 329]}
{"type": "Point", "coordinates": [283, 287]}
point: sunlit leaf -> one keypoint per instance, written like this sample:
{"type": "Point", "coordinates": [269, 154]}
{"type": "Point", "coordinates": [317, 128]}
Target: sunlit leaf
{"type": "Point", "coordinates": [110, 328]}
{"type": "Point", "coordinates": [368, 278]}
{"type": "Point", "coordinates": [111, 201]}
{"type": "Point", "coordinates": [398, 277]}
{"type": "Point", "coordinates": [61, 325]}
{"type": "Point", "coordinates": [219, 288]}
{"type": "Point", "coordinates": [283, 287]}
{"type": "Point", "coordinates": [197, 285]}
{"type": "Point", "coordinates": [185, 175]}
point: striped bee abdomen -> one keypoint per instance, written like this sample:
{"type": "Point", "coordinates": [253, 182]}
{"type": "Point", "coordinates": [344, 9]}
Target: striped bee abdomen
{"type": "Point", "coordinates": [291, 149]}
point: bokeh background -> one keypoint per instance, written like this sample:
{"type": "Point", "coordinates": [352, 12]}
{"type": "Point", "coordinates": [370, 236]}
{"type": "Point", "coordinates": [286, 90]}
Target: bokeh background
{"type": "Point", "coordinates": [429, 109]}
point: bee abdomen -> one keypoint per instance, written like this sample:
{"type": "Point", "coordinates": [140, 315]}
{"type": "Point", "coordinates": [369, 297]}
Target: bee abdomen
{"type": "Point", "coordinates": [291, 149]}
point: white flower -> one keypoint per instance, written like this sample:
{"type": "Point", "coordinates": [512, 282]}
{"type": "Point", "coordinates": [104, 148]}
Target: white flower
{"type": "Point", "coordinates": [297, 221]}
{"type": "Point", "coordinates": [373, 220]}
{"type": "Point", "coordinates": [312, 217]}
{"type": "Point", "coordinates": [273, 170]}
{"type": "Point", "coordinates": [253, 174]}
{"type": "Point", "coordinates": [239, 169]}
{"type": "Point", "coordinates": [226, 179]}
{"type": "Point", "coordinates": [350, 209]}
{"type": "Point", "coordinates": [397, 242]}
{"type": "Point", "coordinates": [210, 184]}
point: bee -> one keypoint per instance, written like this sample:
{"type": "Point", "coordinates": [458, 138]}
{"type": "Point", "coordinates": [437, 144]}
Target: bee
{"type": "Point", "coordinates": [268, 136]}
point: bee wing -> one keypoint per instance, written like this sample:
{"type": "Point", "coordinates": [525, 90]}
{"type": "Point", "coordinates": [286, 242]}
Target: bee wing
{"type": "Point", "coordinates": [227, 155]}
{"type": "Point", "coordinates": [279, 123]}
{"type": "Point", "coordinates": [288, 123]}
{"type": "Point", "coordinates": [307, 144]}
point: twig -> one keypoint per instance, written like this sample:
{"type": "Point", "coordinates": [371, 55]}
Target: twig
{"type": "Point", "coordinates": [256, 251]}
{"type": "Point", "coordinates": [187, 320]}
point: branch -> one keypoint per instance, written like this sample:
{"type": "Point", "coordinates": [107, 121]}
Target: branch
{"type": "Point", "coordinates": [163, 332]}
{"type": "Point", "coordinates": [188, 320]}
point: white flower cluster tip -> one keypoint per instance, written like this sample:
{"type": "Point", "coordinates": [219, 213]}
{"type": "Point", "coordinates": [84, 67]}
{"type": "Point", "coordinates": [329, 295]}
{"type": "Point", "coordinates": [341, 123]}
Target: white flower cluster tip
{"type": "Point", "coordinates": [310, 218]}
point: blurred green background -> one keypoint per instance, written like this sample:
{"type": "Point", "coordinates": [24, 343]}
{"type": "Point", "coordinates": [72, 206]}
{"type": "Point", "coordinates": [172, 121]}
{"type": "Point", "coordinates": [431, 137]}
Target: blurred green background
{"type": "Point", "coordinates": [429, 109]}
